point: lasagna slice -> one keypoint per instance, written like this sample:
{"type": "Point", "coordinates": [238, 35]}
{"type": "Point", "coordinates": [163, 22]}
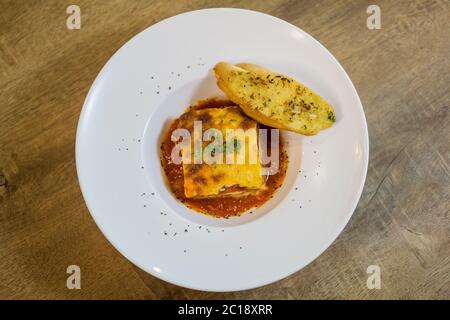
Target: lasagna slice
{"type": "Point", "coordinates": [219, 178]}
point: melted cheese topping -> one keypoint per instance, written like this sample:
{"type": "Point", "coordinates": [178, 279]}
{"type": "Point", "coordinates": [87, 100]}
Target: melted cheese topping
{"type": "Point", "coordinates": [212, 178]}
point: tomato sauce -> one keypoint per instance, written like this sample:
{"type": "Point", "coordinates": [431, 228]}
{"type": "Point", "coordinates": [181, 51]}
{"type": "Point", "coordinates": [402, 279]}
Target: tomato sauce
{"type": "Point", "coordinates": [220, 207]}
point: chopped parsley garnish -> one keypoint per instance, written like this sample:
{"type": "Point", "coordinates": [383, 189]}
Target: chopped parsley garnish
{"type": "Point", "coordinates": [331, 116]}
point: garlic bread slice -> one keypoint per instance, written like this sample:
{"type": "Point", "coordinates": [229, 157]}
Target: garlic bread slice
{"type": "Point", "coordinates": [274, 99]}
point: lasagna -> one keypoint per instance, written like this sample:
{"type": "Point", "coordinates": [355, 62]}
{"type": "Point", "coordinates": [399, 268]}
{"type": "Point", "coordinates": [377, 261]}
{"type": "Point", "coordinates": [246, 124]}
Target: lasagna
{"type": "Point", "coordinates": [225, 162]}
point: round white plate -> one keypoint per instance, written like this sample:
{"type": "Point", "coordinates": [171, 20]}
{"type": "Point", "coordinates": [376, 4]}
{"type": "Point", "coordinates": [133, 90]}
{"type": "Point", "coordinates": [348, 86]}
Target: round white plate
{"type": "Point", "coordinates": [150, 81]}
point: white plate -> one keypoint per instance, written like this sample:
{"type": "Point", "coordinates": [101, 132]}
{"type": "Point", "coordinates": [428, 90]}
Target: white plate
{"type": "Point", "coordinates": [151, 80]}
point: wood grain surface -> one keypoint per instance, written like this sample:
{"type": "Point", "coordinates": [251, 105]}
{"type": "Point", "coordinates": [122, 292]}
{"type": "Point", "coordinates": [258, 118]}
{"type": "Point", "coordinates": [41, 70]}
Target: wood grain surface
{"type": "Point", "coordinates": [402, 73]}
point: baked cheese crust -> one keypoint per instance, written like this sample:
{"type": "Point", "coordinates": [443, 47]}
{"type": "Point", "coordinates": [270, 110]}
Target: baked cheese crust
{"type": "Point", "coordinates": [243, 177]}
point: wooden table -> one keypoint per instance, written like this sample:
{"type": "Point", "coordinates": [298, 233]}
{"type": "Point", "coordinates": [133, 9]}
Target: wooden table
{"type": "Point", "coordinates": [402, 73]}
